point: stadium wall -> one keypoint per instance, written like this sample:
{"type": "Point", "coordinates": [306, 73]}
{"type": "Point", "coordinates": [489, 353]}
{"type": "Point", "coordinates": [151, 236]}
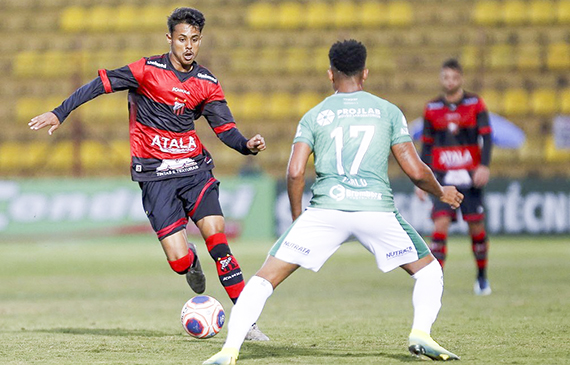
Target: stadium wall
{"type": "Point", "coordinates": [255, 208]}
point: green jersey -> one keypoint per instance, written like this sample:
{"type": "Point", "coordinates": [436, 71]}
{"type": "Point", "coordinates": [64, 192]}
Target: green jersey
{"type": "Point", "coordinates": [351, 135]}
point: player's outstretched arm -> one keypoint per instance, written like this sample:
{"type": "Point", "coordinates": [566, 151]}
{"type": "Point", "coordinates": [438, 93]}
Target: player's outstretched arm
{"type": "Point", "coordinates": [422, 176]}
{"type": "Point", "coordinates": [256, 143]}
{"type": "Point", "coordinates": [45, 120]}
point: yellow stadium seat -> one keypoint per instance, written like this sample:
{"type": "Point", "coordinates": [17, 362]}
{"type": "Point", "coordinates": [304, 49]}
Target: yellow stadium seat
{"type": "Point", "coordinates": [320, 62]}
{"type": "Point", "coordinates": [280, 105]}
{"type": "Point", "coordinates": [132, 55]}
{"type": "Point", "coordinates": [270, 60]}
{"type": "Point", "coordinates": [235, 104]}
{"type": "Point", "coordinates": [73, 19]}
{"type": "Point", "coordinates": [26, 64]}
{"type": "Point", "coordinates": [493, 100]}
{"type": "Point", "coordinates": [565, 101]}
{"type": "Point", "coordinates": [61, 156]}
{"type": "Point", "coordinates": [514, 12]}
{"type": "Point", "coordinates": [317, 15]}
{"type": "Point", "coordinates": [487, 12]}
{"type": "Point", "coordinates": [29, 107]}
{"type": "Point", "coordinates": [544, 102]}
{"type": "Point", "coordinates": [11, 154]}
{"type": "Point", "coordinates": [470, 57]}
{"type": "Point", "coordinates": [152, 18]}
{"type": "Point", "coordinates": [297, 60]}
{"type": "Point", "coordinates": [554, 154]}
{"type": "Point", "coordinates": [93, 155]}
{"type": "Point", "coordinates": [516, 102]}
{"type": "Point", "coordinates": [563, 12]}
{"type": "Point", "coordinates": [127, 18]}
{"type": "Point", "coordinates": [373, 14]}
{"type": "Point", "coordinates": [261, 15]}
{"type": "Point", "coordinates": [120, 152]}
{"type": "Point", "coordinates": [101, 18]}
{"type": "Point", "coordinates": [244, 59]}
{"type": "Point", "coordinates": [305, 101]}
{"type": "Point", "coordinates": [381, 59]}
{"type": "Point", "coordinates": [345, 14]}
{"type": "Point", "coordinates": [291, 15]}
{"type": "Point", "coordinates": [501, 57]}
{"type": "Point", "coordinates": [400, 13]}
{"type": "Point", "coordinates": [254, 105]}
{"type": "Point", "coordinates": [58, 64]}
{"type": "Point", "coordinates": [542, 12]}
{"type": "Point", "coordinates": [529, 57]}
{"type": "Point", "coordinates": [558, 56]}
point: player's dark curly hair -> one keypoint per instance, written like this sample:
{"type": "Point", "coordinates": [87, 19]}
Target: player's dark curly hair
{"type": "Point", "coordinates": [187, 16]}
{"type": "Point", "coordinates": [453, 64]}
{"type": "Point", "coordinates": [348, 57]}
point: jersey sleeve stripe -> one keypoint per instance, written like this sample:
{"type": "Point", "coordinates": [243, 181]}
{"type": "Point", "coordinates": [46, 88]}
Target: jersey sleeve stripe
{"type": "Point", "coordinates": [106, 82]}
{"type": "Point", "coordinates": [485, 130]}
{"type": "Point", "coordinates": [223, 128]}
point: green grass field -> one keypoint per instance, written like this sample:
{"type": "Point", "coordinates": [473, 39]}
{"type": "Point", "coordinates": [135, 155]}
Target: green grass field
{"type": "Point", "coordinates": [115, 301]}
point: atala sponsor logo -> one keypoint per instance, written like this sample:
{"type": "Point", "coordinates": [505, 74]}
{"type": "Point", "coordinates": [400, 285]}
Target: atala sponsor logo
{"type": "Point", "coordinates": [178, 90]}
{"type": "Point", "coordinates": [394, 254]}
{"type": "Point", "coordinates": [296, 247]}
{"type": "Point", "coordinates": [157, 64]}
{"type": "Point", "coordinates": [455, 158]}
{"type": "Point", "coordinates": [358, 113]}
{"type": "Point", "coordinates": [206, 76]}
{"type": "Point", "coordinates": [174, 145]}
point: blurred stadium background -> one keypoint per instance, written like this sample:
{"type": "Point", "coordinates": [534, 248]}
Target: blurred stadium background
{"type": "Point", "coordinates": [271, 58]}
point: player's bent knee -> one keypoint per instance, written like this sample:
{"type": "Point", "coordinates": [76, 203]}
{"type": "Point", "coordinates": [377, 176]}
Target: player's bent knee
{"type": "Point", "coordinates": [182, 265]}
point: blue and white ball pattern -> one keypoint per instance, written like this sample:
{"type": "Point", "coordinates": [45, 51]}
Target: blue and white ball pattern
{"type": "Point", "coordinates": [202, 316]}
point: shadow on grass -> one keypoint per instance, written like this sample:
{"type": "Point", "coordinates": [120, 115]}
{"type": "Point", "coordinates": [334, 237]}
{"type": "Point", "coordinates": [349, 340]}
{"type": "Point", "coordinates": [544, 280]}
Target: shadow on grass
{"type": "Point", "coordinates": [262, 351]}
{"type": "Point", "coordinates": [105, 332]}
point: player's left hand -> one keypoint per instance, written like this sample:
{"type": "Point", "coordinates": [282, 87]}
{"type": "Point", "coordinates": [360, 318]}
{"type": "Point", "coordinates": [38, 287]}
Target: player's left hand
{"type": "Point", "coordinates": [256, 143]}
{"type": "Point", "coordinates": [481, 176]}
{"type": "Point", "coordinates": [45, 120]}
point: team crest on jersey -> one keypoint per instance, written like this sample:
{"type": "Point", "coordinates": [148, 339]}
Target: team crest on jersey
{"type": "Point", "coordinates": [325, 117]}
{"type": "Point", "coordinates": [178, 106]}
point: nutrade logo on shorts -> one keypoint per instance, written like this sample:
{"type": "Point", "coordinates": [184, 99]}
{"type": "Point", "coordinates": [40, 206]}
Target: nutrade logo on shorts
{"type": "Point", "coordinates": [394, 254]}
{"type": "Point", "coordinates": [302, 250]}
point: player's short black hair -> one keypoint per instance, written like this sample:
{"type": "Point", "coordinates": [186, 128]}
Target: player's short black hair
{"type": "Point", "coordinates": [348, 57]}
{"type": "Point", "coordinates": [453, 64]}
{"type": "Point", "coordinates": [187, 16]}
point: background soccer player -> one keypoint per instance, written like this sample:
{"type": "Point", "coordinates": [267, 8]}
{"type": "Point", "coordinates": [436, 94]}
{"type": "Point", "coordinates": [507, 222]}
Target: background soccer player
{"type": "Point", "coordinates": [351, 135]}
{"type": "Point", "coordinates": [457, 146]}
{"type": "Point", "coordinates": [167, 93]}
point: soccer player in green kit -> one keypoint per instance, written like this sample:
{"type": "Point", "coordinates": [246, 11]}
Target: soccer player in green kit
{"type": "Point", "coordinates": [351, 135]}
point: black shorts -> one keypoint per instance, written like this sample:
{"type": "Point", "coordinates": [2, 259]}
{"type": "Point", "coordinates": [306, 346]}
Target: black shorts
{"type": "Point", "coordinates": [169, 203]}
{"type": "Point", "coordinates": [472, 208]}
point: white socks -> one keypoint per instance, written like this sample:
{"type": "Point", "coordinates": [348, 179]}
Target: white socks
{"type": "Point", "coordinates": [247, 310]}
{"type": "Point", "coordinates": [427, 296]}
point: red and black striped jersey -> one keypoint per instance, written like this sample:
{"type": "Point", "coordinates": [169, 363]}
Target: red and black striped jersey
{"type": "Point", "coordinates": [451, 134]}
{"type": "Point", "coordinates": [163, 106]}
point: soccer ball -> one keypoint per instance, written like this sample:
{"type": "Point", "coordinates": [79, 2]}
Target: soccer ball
{"type": "Point", "coordinates": [202, 316]}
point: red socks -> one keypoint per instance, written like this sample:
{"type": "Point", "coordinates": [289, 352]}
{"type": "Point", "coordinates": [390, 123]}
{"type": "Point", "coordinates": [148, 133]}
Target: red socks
{"type": "Point", "coordinates": [229, 270]}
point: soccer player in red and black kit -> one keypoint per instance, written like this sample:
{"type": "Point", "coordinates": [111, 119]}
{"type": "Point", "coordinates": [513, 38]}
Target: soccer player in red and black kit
{"type": "Point", "coordinates": [166, 94]}
{"type": "Point", "coordinates": [457, 146]}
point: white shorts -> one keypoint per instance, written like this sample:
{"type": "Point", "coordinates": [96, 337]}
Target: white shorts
{"type": "Point", "coordinates": [318, 233]}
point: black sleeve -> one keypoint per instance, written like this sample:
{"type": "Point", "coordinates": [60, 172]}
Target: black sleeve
{"type": "Point", "coordinates": [82, 95]}
{"type": "Point", "coordinates": [121, 78]}
{"type": "Point", "coordinates": [427, 143]}
{"type": "Point", "coordinates": [486, 149]}
{"type": "Point", "coordinates": [234, 139]}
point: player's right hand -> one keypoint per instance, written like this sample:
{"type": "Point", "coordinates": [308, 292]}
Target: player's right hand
{"type": "Point", "coordinates": [451, 196]}
{"type": "Point", "coordinates": [44, 120]}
